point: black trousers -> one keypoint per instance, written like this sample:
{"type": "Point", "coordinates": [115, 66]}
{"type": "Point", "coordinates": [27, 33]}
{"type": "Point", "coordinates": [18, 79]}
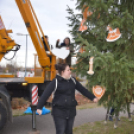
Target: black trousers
{"type": "Point", "coordinates": [63, 126]}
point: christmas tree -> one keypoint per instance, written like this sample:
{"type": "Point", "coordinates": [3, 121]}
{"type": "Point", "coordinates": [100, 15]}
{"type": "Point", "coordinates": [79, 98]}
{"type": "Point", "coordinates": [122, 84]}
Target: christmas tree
{"type": "Point", "coordinates": [113, 61]}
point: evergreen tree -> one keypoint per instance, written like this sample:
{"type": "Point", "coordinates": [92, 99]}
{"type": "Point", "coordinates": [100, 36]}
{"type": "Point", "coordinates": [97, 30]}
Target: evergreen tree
{"type": "Point", "coordinates": [113, 61]}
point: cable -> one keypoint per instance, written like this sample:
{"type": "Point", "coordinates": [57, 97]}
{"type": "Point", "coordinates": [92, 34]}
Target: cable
{"type": "Point", "coordinates": [15, 51]}
{"type": "Point", "coordinates": [17, 48]}
{"type": "Point", "coordinates": [12, 57]}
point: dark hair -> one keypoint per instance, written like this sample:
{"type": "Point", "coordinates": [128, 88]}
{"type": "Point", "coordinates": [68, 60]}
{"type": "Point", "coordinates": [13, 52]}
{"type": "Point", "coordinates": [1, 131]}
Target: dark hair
{"type": "Point", "coordinates": [61, 67]}
{"type": "Point", "coordinates": [68, 39]}
{"type": "Point", "coordinates": [46, 36]}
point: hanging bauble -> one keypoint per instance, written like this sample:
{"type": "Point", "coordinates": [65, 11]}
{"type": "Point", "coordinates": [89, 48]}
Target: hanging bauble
{"type": "Point", "coordinates": [113, 35]}
{"type": "Point", "coordinates": [91, 72]}
{"type": "Point", "coordinates": [86, 14]}
{"type": "Point", "coordinates": [98, 91]}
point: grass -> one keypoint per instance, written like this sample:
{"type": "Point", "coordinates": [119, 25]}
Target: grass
{"type": "Point", "coordinates": [18, 112]}
{"type": "Point", "coordinates": [124, 127]}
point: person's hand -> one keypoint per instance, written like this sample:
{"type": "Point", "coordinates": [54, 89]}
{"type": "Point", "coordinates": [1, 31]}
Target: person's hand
{"type": "Point", "coordinates": [58, 40]}
{"type": "Point", "coordinates": [67, 48]}
{"type": "Point", "coordinates": [39, 111]}
{"type": "Point", "coordinates": [95, 100]}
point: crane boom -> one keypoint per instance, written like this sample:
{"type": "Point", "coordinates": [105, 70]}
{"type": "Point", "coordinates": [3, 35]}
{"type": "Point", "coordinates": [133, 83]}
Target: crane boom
{"type": "Point", "coordinates": [37, 36]}
{"type": "Point", "coordinates": [34, 30]}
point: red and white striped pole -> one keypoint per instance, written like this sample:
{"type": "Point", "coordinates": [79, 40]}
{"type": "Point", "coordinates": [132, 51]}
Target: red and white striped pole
{"type": "Point", "coordinates": [33, 106]}
{"type": "Point", "coordinates": [35, 95]}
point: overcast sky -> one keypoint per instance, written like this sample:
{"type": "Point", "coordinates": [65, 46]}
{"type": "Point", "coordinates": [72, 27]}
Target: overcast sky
{"type": "Point", "coordinates": [52, 17]}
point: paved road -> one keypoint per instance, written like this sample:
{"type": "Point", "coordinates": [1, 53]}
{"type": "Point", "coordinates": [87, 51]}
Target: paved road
{"type": "Point", "coordinates": [23, 125]}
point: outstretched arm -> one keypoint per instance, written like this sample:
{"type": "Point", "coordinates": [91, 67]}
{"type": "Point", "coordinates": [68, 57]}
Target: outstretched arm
{"type": "Point", "coordinates": [85, 92]}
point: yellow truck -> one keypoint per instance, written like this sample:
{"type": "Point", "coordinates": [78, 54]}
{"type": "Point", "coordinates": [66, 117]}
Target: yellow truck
{"type": "Point", "coordinates": [10, 86]}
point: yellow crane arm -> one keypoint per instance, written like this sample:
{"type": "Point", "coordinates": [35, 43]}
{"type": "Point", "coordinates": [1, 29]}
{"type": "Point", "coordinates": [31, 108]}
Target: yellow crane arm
{"type": "Point", "coordinates": [34, 30]}
{"type": "Point", "coordinates": [37, 36]}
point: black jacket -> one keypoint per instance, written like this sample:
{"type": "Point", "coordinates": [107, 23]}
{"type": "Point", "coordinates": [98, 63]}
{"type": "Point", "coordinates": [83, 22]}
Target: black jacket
{"type": "Point", "coordinates": [64, 45]}
{"type": "Point", "coordinates": [61, 45]}
{"type": "Point", "coordinates": [64, 103]}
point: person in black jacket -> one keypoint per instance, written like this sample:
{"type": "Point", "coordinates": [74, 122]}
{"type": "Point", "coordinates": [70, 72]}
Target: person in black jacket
{"type": "Point", "coordinates": [64, 103]}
